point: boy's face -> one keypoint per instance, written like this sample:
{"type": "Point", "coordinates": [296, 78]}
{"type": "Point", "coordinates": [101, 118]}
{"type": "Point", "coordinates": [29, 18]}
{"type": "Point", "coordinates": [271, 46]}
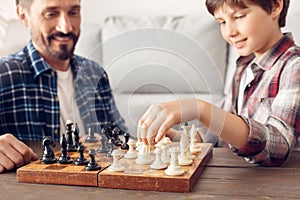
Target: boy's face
{"type": "Point", "coordinates": [250, 30]}
{"type": "Point", "coordinates": [54, 27]}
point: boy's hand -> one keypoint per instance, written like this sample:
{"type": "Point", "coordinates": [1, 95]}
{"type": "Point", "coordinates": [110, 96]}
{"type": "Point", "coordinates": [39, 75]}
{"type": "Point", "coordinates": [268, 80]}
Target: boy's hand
{"type": "Point", "coordinates": [14, 153]}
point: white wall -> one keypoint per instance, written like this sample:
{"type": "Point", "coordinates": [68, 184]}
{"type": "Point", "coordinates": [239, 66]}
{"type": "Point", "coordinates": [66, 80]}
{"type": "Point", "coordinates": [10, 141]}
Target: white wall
{"type": "Point", "coordinates": [102, 8]}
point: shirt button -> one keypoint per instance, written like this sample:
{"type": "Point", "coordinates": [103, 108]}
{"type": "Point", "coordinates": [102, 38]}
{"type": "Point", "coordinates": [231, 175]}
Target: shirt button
{"type": "Point", "coordinates": [56, 131]}
{"type": "Point", "coordinates": [56, 98]}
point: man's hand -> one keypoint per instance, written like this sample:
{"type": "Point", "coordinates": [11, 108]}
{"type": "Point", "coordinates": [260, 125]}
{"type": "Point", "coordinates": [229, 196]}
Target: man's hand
{"type": "Point", "coordinates": [14, 153]}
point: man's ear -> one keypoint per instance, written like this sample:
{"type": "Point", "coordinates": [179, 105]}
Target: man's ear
{"type": "Point", "coordinates": [23, 15]}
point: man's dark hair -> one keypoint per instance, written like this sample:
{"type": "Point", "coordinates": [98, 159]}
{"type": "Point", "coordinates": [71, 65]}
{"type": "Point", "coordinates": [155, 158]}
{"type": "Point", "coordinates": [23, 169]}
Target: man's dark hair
{"type": "Point", "coordinates": [25, 3]}
{"type": "Point", "coordinates": [266, 5]}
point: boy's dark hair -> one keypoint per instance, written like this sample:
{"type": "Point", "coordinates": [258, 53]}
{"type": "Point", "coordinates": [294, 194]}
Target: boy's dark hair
{"type": "Point", "coordinates": [266, 5]}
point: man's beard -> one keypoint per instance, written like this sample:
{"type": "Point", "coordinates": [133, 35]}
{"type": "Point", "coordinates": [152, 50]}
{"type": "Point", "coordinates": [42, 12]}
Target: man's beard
{"type": "Point", "coordinates": [64, 53]}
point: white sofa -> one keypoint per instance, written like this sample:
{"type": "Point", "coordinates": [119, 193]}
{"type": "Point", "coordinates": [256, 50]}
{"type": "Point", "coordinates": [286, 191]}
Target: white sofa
{"type": "Point", "coordinates": [153, 50]}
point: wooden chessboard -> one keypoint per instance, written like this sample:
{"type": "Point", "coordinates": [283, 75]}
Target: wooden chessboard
{"type": "Point", "coordinates": [134, 177]}
{"type": "Point", "coordinates": [63, 174]}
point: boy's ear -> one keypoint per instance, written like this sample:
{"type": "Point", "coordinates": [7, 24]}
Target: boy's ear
{"type": "Point", "coordinates": [23, 15]}
{"type": "Point", "coordinates": [277, 8]}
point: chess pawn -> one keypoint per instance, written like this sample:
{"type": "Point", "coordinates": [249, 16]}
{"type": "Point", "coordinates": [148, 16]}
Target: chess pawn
{"type": "Point", "coordinates": [81, 160]}
{"type": "Point", "coordinates": [131, 153]}
{"type": "Point", "coordinates": [92, 165]}
{"type": "Point", "coordinates": [174, 169]}
{"type": "Point", "coordinates": [144, 157]}
{"type": "Point", "coordinates": [158, 164]}
{"type": "Point", "coordinates": [116, 166]}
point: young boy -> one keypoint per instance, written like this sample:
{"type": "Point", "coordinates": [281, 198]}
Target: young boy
{"type": "Point", "coordinates": [261, 119]}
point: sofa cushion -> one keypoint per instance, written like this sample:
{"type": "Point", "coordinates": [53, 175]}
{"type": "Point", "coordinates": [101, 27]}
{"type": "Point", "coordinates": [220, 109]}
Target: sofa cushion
{"type": "Point", "coordinates": [164, 54]}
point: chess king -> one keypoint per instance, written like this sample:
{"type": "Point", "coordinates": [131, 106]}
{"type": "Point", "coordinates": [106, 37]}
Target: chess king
{"type": "Point", "coordinates": [49, 83]}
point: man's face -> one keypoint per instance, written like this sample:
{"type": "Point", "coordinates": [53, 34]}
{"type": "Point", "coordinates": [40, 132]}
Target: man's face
{"type": "Point", "coordinates": [55, 27]}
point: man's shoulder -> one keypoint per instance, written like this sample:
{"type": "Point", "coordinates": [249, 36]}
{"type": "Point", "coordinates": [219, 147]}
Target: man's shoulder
{"type": "Point", "coordinates": [14, 60]}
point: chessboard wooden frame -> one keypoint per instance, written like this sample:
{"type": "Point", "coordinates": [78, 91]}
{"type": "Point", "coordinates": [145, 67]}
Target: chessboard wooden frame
{"type": "Point", "coordinates": [151, 180]}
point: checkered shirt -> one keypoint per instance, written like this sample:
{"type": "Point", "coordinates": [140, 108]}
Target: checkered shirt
{"type": "Point", "coordinates": [29, 105]}
{"type": "Point", "coordinates": [271, 104]}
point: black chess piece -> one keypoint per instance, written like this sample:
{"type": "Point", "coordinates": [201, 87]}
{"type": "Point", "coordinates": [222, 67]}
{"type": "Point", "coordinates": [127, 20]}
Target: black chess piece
{"type": "Point", "coordinates": [76, 136]}
{"type": "Point", "coordinates": [103, 148]}
{"type": "Point", "coordinates": [125, 146]}
{"type": "Point", "coordinates": [81, 160]}
{"type": "Point", "coordinates": [111, 147]}
{"type": "Point", "coordinates": [107, 131]}
{"type": "Point", "coordinates": [91, 138]}
{"type": "Point", "coordinates": [69, 133]}
{"type": "Point", "coordinates": [92, 165]}
{"type": "Point", "coordinates": [116, 133]}
{"type": "Point", "coordinates": [106, 134]}
{"type": "Point", "coordinates": [48, 154]}
{"type": "Point", "coordinates": [64, 157]}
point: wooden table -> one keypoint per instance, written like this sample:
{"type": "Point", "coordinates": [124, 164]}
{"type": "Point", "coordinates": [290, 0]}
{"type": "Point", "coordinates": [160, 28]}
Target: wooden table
{"type": "Point", "coordinates": [225, 177]}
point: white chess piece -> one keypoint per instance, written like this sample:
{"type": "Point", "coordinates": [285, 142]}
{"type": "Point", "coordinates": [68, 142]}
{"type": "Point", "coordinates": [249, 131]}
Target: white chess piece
{"type": "Point", "coordinates": [138, 145]}
{"type": "Point", "coordinates": [144, 157]}
{"type": "Point", "coordinates": [116, 166]}
{"type": "Point", "coordinates": [165, 156]}
{"type": "Point", "coordinates": [131, 153]}
{"type": "Point", "coordinates": [174, 169]}
{"type": "Point", "coordinates": [158, 164]}
{"type": "Point", "coordinates": [194, 147]}
{"type": "Point", "coordinates": [185, 157]}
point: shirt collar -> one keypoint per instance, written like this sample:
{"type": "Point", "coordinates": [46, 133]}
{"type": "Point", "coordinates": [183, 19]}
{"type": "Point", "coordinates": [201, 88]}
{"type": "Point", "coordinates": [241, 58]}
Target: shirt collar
{"type": "Point", "coordinates": [40, 65]}
{"type": "Point", "coordinates": [267, 60]}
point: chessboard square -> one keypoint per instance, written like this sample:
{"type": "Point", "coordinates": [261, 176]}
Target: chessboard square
{"type": "Point", "coordinates": [55, 167]}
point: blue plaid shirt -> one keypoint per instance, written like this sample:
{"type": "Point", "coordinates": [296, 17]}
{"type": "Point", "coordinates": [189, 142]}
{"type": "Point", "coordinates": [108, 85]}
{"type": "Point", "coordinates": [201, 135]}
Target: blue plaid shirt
{"type": "Point", "coordinates": [29, 105]}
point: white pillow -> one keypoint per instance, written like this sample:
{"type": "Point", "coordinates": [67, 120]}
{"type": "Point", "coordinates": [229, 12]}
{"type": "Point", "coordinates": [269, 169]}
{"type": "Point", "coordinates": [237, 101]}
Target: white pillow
{"type": "Point", "coordinates": [164, 54]}
{"type": "Point", "coordinates": [12, 33]}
